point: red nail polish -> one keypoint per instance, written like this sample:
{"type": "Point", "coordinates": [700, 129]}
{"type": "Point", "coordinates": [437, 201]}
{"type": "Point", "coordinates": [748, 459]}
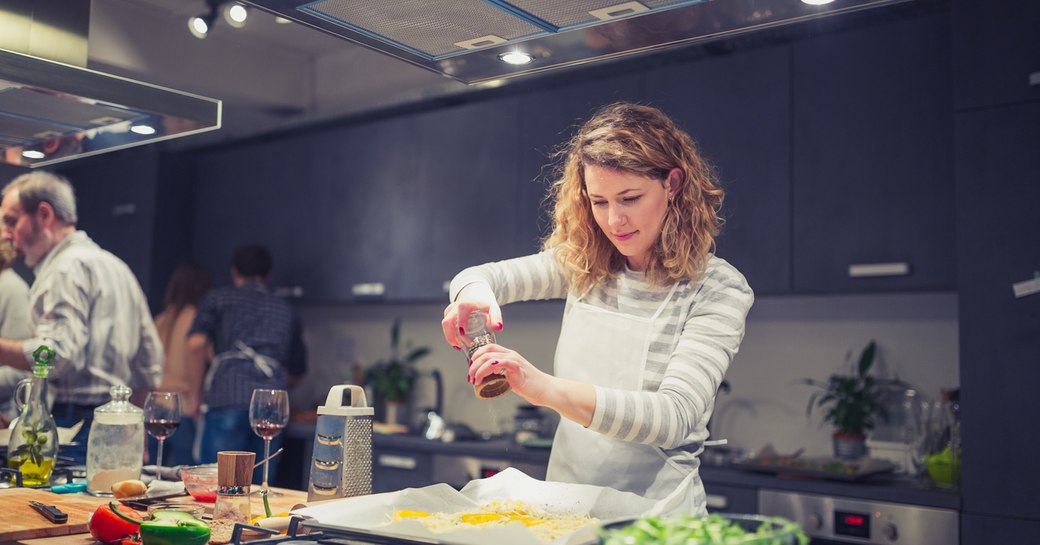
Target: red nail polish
{"type": "Point", "coordinates": [494, 362]}
{"type": "Point", "coordinates": [499, 326]}
{"type": "Point", "coordinates": [462, 331]}
{"type": "Point", "coordinates": [457, 348]}
{"type": "Point", "coordinates": [471, 363]}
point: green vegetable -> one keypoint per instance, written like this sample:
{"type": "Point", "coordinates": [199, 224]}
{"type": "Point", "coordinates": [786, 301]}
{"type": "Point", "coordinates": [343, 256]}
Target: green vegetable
{"type": "Point", "coordinates": [267, 506]}
{"type": "Point", "coordinates": [169, 528]}
{"type": "Point", "coordinates": [709, 530]}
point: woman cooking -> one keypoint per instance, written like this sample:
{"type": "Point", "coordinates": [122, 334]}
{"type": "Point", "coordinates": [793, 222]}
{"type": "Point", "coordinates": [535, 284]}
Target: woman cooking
{"type": "Point", "coordinates": [652, 318]}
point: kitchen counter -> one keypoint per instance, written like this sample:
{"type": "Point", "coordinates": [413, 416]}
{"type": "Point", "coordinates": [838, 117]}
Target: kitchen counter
{"type": "Point", "coordinates": [78, 518]}
{"type": "Point", "coordinates": [894, 489]}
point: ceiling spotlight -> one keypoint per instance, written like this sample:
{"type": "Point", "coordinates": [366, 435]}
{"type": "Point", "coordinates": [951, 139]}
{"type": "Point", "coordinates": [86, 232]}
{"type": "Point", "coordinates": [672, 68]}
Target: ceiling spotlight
{"type": "Point", "coordinates": [142, 129]}
{"type": "Point", "coordinates": [200, 25]}
{"type": "Point", "coordinates": [236, 14]}
{"type": "Point", "coordinates": [515, 57]}
{"type": "Point", "coordinates": [816, 2]}
{"type": "Point", "coordinates": [282, 20]}
{"type": "Point", "coordinates": [33, 154]}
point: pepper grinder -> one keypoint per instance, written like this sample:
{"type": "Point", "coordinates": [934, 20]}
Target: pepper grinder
{"type": "Point", "coordinates": [479, 334]}
{"type": "Point", "coordinates": [234, 476]}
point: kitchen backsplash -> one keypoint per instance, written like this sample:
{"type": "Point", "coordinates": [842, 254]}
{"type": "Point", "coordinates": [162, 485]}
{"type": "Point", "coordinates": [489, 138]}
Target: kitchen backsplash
{"type": "Point", "coordinates": [788, 338]}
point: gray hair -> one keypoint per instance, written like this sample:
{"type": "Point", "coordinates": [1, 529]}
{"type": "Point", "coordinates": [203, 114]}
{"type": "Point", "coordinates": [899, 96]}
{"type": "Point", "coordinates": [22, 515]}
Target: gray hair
{"type": "Point", "coordinates": [40, 186]}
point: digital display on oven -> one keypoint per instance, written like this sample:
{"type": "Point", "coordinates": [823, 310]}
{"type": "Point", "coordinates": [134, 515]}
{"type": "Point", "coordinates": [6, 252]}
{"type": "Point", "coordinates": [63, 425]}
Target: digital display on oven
{"type": "Point", "coordinates": [847, 523]}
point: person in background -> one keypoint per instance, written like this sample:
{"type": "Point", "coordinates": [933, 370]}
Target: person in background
{"type": "Point", "coordinates": [14, 324]}
{"type": "Point", "coordinates": [85, 304]}
{"type": "Point", "coordinates": [185, 289]}
{"type": "Point", "coordinates": [257, 342]}
{"type": "Point", "coordinates": [652, 318]}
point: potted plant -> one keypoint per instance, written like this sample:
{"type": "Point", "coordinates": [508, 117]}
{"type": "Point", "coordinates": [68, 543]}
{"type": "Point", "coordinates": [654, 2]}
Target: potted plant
{"type": "Point", "coordinates": [852, 403]}
{"type": "Point", "coordinates": [391, 379]}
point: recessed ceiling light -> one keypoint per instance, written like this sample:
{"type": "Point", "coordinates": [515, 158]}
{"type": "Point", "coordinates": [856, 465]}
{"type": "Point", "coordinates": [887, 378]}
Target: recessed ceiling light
{"type": "Point", "coordinates": [33, 154]}
{"type": "Point", "coordinates": [282, 20]}
{"type": "Point", "coordinates": [199, 26]}
{"type": "Point", "coordinates": [142, 129]}
{"type": "Point", "coordinates": [516, 57]}
{"type": "Point", "coordinates": [816, 2]}
{"type": "Point", "coordinates": [236, 15]}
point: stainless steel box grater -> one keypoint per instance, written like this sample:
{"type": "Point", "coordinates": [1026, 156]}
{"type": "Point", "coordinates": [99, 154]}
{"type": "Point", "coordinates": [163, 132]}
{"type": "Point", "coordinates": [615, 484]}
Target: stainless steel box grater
{"type": "Point", "coordinates": [341, 464]}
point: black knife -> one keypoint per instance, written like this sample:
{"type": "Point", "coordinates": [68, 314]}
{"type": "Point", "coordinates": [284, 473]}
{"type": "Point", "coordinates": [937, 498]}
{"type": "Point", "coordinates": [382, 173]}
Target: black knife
{"type": "Point", "coordinates": [52, 513]}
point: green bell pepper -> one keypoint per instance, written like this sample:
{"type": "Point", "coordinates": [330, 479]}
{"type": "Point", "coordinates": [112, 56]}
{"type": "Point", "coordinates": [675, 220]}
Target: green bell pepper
{"type": "Point", "coordinates": [170, 528]}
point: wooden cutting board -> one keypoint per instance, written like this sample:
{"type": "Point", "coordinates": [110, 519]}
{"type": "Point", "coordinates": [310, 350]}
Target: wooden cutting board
{"type": "Point", "coordinates": [23, 522]}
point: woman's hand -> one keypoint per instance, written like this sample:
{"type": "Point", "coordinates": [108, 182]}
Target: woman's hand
{"type": "Point", "coordinates": [458, 312]}
{"type": "Point", "coordinates": [526, 380]}
{"type": "Point", "coordinates": [573, 400]}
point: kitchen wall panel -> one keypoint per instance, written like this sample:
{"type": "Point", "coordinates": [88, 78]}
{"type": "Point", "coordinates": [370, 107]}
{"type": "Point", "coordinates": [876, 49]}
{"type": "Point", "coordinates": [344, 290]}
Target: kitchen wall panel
{"type": "Point", "coordinates": [999, 239]}
{"type": "Point", "coordinates": [872, 131]}
{"type": "Point", "coordinates": [737, 108]}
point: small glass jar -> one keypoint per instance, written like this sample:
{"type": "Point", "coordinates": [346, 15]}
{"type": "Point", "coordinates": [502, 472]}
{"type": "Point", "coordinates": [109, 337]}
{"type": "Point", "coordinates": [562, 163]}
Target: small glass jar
{"type": "Point", "coordinates": [232, 504]}
{"type": "Point", "coordinates": [477, 334]}
{"type": "Point", "coordinates": [234, 474]}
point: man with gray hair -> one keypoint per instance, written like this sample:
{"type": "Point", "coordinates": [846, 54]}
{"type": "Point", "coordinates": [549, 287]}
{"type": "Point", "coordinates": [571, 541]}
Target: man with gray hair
{"type": "Point", "coordinates": [85, 304]}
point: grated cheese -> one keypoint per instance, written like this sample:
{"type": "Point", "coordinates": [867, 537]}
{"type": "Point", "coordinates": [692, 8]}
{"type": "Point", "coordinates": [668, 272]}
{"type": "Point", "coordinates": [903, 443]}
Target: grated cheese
{"type": "Point", "coordinates": [544, 525]}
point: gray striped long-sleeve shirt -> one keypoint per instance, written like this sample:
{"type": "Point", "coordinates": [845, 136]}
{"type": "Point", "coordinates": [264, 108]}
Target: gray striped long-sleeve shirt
{"type": "Point", "coordinates": [693, 343]}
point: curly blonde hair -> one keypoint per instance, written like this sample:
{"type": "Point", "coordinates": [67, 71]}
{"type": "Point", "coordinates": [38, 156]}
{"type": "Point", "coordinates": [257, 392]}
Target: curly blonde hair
{"type": "Point", "coordinates": [644, 141]}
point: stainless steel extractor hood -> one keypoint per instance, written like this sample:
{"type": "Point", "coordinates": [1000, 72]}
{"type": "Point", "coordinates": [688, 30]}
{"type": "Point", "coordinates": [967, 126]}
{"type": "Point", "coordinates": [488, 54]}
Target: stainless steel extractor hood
{"type": "Point", "coordinates": [468, 39]}
{"type": "Point", "coordinates": [53, 109]}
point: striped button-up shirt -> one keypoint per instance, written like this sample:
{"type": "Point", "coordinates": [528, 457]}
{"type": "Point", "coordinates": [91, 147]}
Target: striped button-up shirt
{"type": "Point", "coordinates": [87, 305]}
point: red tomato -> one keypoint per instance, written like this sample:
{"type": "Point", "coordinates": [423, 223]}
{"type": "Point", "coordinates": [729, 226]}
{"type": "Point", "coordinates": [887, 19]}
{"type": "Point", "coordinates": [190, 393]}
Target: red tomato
{"type": "Point", "coordinates": [106, 527]}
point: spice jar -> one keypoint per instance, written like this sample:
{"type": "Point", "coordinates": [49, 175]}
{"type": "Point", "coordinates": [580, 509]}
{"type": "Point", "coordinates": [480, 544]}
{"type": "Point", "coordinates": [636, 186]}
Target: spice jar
{"type": "Point", "coordinates": [478, 334]}
{"type": "Point", "coordinates": [234, 475]}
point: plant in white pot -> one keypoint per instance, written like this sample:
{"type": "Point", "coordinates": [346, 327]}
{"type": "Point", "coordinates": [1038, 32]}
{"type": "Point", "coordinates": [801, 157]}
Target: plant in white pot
{"type": "Point", "coordinates": [852, 402]}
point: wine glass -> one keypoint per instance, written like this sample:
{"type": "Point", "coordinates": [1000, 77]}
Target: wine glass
{"type": "Point", "coordinates": [268, 414]}
{"type": "Point", "coordinates": [162, 416]}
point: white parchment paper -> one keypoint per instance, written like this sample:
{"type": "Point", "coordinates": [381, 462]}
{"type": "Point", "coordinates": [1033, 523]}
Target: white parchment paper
{"type": "Point", "coordinates": [374, 512]}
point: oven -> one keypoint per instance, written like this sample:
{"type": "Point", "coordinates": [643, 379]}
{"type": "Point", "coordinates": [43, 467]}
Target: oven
{"type": "Point", "coordinates": [831, 520]}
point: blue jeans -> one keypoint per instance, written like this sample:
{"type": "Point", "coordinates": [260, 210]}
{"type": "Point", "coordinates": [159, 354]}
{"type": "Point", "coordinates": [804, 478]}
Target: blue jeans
{"type": "Point", "coordinates": [229, 429]}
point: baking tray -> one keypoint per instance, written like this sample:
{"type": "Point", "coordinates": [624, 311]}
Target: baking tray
{"type": "Point", "coordinates": [818, 467]}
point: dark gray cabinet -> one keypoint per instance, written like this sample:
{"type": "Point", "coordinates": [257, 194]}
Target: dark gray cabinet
{"type": "Point", "coordinates": [999, 241]}
{"type": "Point", "coordinates": [548, 120]}
{"type": "Point", "coordinates": [989, 530]}
{"type": "Point", "coordinates": [737, 109]}
{"type": "Point", "coordinates": [463, 203]}
{"type": "Point", "coordinates": [261, 194]}
{"type": "Point", "coordinates": [394, 470]}
{"type": "Point", "coordinates": [727, 498]}
{"type": "Point", "coordinates": [996, 48]}
{"type": "Point", "coordinates": [873, 157]}
{"type": "Point", "coordinates": [115, 201]}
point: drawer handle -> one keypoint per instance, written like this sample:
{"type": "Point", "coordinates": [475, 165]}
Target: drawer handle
{"type": "Point", "coordinates": [368, 288]}
{"type": "Point", "coordinates": [861, 270]}
{"type": "Point", "coordinates": [715, 501]}
{"type": "Point", "coordinates": [397, 462]}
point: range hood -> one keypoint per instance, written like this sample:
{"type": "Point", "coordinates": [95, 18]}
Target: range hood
{"type": "Point", "coordinates": [53, 109]}
{"type": "Point", "coordinates": [468, 39]}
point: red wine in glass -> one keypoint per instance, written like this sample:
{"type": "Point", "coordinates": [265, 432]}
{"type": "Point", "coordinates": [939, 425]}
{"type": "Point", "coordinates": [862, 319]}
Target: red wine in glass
{"type": "Point", "coordinates": [268, 415]}
{"type": "Point", "coordinates": [267, 430]}
{"type": "Point", "coordinates": [161, 429]}
{"type": "Point", "coordinates": [162, 417]}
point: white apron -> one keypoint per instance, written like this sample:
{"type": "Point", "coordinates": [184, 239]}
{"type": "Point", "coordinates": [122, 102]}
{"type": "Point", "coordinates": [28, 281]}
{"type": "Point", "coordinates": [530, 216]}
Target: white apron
{"type": "Point", "coordinates": [609, 349]}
